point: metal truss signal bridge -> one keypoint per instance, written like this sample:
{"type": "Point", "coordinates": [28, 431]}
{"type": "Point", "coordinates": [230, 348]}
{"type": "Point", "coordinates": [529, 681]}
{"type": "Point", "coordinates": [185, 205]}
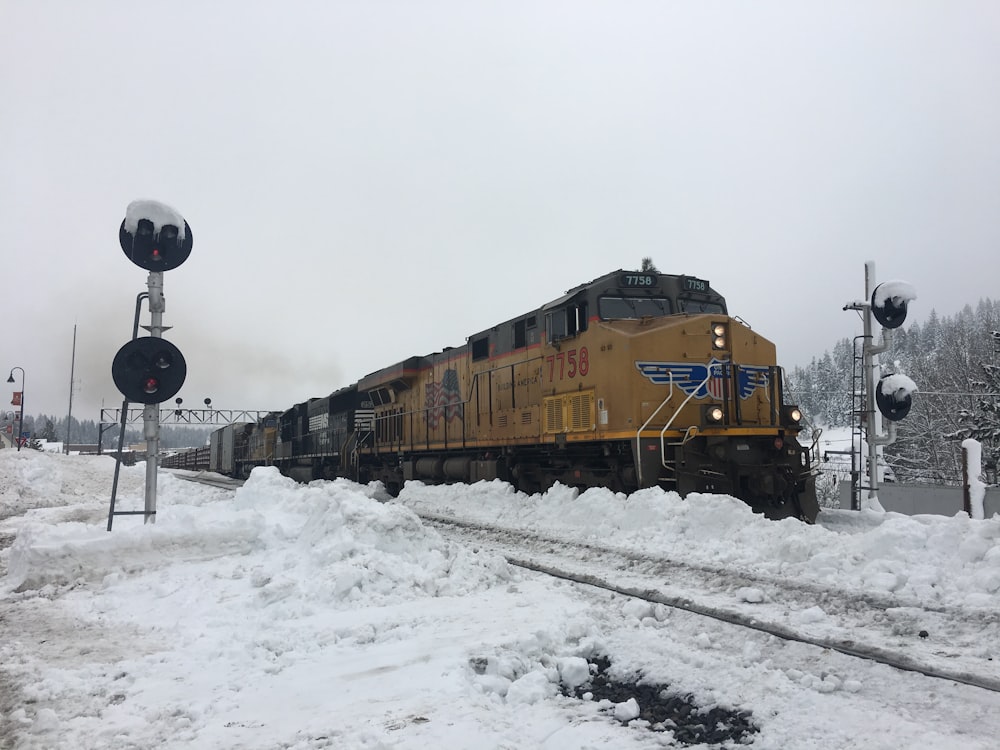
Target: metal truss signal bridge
{"type": "Point", "coordinates": [176, 416]}
{"type": "Point", "coordinates": [112, 417]}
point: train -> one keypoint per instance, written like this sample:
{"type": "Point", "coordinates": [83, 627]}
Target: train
{"type": "Point", "coordinates": [635, 379]}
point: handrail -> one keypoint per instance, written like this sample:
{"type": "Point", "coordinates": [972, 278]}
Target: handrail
{"type": "Point", "coordinates": [638, 455]}
{"type": "Point", "coordinates": [663, 446]}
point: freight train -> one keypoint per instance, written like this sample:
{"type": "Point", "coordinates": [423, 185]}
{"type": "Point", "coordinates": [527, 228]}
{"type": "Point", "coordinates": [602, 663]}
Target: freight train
{"type": "Point", "coordinates": [635, 379]}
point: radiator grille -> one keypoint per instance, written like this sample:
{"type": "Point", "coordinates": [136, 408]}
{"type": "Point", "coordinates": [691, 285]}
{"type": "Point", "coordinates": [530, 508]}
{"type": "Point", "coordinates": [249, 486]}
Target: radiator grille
{"type": "Point", "coordinates": [572, 412]}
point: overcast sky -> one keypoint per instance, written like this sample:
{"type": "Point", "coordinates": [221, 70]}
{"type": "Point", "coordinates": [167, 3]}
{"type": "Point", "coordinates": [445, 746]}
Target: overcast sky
{"type": "Point", "coordinates": [366, 181]}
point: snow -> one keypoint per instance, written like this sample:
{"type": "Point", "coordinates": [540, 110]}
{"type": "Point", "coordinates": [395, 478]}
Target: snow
{"type": "Point", "coordinates": [160, 214]}
{"type": "Point", "coordinates": [897, 291]}
{"type": "Point", "coordinates": [329, 616]}
{"type": "Point", "coordinates": [973, 452]}
{"type": "Point", "coordinates": [897, 386]}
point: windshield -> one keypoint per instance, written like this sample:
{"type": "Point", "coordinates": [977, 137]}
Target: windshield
{"type": "Point", "coordinates": [702, 306]}
{"type": "Point", "coordinates": [617, 308]}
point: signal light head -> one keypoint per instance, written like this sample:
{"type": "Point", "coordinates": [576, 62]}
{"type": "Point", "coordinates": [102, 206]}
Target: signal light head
{"type": "Point", "coordinates": [154, 236]}
{"type": "Point", "coordinates": [889, 300]}
{"type": "Point", "coordinates": [893, 396]}
{"type": "Point", "coordinates": [149, 370]}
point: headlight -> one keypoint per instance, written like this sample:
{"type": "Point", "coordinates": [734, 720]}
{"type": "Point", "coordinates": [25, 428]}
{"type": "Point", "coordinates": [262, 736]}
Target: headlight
{"type": "Point", "coordinates": [712, 414]}
{"type": "Point", "coordinates": [791, 415]}
{"type": "Point", "coordinates": [719, 336]}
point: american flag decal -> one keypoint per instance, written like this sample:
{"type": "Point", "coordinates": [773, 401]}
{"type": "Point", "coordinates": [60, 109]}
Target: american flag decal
{"type": "Point", "coordinates": [443, 400]}
{"type": "Point", "coordinates": [752, 377]}
{"type": "Point", "coordinates": [694, 378]}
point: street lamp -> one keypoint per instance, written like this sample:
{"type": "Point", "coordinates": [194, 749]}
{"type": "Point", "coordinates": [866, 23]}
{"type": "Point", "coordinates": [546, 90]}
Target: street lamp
{"type": "Point", "coordinates": [20, 426]}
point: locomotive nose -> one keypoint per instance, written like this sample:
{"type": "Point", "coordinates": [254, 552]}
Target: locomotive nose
{"type": "Point", "coordinates": [769, 485]}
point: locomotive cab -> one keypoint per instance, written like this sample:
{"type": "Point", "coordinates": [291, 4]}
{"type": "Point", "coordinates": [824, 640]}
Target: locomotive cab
{"type": "Point", "coordinates": [691, 395]}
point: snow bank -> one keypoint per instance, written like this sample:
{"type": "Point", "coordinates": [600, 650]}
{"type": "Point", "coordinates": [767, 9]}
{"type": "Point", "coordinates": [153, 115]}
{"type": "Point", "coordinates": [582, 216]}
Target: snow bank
{"type": "Point", "coordinates": [330, 541]}
{"type": "Point", "coordinates": [322, 616]}
{"type": "Point", "coordinates": [931, 559]}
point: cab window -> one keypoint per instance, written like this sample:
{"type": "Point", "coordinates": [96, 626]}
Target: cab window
{"type": "Point", "coordinates": [566, 322]}
{"type": "Point", "coordinates": [697, 306]}
{"type": "Point", "coordinates": [623, 308]}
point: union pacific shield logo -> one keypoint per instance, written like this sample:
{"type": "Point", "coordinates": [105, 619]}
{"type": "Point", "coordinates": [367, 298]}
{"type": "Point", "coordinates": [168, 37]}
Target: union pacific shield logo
{"type": "Point", "coordinates": [705, 380]}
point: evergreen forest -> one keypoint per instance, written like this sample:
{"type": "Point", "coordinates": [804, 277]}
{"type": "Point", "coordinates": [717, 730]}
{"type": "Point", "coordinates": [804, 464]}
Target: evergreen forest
{"type": "Point", "coordinates": [955, 362]}
{"type": "Point", "coordinates": [54, 429]}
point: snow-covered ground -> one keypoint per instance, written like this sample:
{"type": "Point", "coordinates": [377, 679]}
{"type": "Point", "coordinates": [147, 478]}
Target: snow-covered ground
{"type": "Point", "coordinates": [322, 616]}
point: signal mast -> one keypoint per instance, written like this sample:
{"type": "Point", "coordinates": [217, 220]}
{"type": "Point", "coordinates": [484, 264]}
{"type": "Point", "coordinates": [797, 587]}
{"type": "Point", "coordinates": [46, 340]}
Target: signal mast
{"type": "Point", "coordinates": [887, 304]}
{"type": "Point", "coordinates": [150, 370]}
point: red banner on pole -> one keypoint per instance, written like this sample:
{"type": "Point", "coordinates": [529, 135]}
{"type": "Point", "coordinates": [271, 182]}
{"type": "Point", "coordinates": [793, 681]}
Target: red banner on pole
{"type": "Point", "coordinates": [16, 401]}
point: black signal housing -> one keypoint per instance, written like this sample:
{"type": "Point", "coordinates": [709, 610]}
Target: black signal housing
{"type": "Point", "coordinates": [149, 370]}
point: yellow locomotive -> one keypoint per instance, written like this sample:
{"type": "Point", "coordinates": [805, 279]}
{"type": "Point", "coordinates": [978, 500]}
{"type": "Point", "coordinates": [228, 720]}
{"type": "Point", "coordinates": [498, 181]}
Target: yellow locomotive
{"type": "Point", "coordinates": [632, 380]}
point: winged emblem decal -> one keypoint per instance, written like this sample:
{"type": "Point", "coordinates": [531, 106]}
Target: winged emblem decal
{"type": "Point", "coordinates": [705, 380]}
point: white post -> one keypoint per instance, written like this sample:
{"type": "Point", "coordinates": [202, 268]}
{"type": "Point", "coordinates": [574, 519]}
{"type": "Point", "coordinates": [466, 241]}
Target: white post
{"type": "Point", "coordinates": [872, 373]}
{"type": "Point", "coordinates": [151, 412]}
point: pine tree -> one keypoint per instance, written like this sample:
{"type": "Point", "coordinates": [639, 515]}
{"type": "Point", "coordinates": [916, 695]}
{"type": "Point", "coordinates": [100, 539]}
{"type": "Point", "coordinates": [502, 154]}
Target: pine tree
{"type": "Point", "coordinates": [48, 431]}
{"type": "Point", "coordinates": [983, 422]}
{"type": "Point", "coordinates": [648, 266]}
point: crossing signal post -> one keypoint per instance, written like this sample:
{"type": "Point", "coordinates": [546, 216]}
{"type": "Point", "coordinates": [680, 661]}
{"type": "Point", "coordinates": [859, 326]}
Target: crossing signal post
{"type": "Point", "coordinates": [150, 370]}
{"type": "Point", "coordinates": [888, 395]}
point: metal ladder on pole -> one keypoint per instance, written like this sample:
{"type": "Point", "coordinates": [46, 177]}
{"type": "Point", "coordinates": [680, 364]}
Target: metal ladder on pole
{"type": "Point", "coordinates": [858, 410]}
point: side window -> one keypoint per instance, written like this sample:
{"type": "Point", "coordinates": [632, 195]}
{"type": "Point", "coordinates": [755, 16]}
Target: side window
{"type": "Point", "coordinates": [381, 396]}
{"type": "Point", "coordinates": [520, 334]}
{"type": "Point", "coordinates": [555, 325]}
{"type": "Point", "coordinates": [481, 348]}
{"type": "Point", "coordinates": [566, 322]}
{"type": "Point", "coordinates": [572, 321]}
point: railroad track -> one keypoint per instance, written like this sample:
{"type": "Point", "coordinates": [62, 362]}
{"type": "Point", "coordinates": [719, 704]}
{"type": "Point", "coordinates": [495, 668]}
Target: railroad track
{"type": "Point", "coordinates": [922, 639]}
{"type": "Point", "coordinates": [201, 477]}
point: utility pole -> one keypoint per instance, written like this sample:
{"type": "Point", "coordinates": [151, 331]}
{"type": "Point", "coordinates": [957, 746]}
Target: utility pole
{"type": "Point", "coordinates": [69, 416]}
